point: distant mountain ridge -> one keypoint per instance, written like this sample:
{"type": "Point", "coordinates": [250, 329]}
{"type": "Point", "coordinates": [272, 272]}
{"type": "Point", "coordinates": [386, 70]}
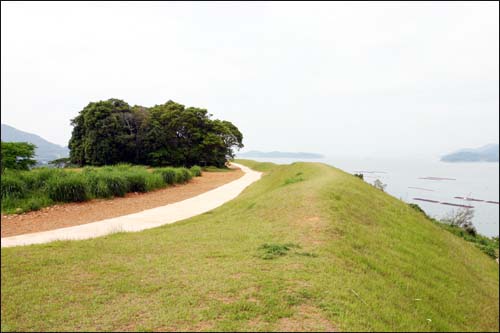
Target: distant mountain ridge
{"type": "Point", "coordinates": [279, 154]}
{"type": "Point", "coordinates": [46, 151]}
{"type": "Point", "coordinates": [487, 153]}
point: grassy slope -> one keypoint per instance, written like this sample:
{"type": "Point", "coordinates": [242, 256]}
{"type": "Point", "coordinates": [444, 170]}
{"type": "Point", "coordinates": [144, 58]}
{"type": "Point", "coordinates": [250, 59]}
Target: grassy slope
{"type": "Point", "coordinates": [379, 266]}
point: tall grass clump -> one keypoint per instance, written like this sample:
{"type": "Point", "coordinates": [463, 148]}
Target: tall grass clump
{"type": "Point", "coordinates": [31, 190]}
{"type": "Point", "coordinates": [97, 186]}
{"type": "Point", "coordinates": [13, 186]}
{"type": "Point", "coordinates": [136, 180]}
{"type": "Point", "coordinates": [117, 184]}
{"type": "Point", "coordinates": [38, 178]}
{"type": "Point", "coordinates": [71, 188]}
{"type": "Point", "coordinates": [168, 175]}
{"type": "Point", "coordinates": [154, 181]}
{"type": "Point", "coordinates": [195, 171]}
{"type": "Point", "coordinates": [183, 175]}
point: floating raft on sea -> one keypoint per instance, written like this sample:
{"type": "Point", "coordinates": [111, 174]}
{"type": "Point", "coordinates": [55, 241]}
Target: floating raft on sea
{"type": "Point", "coordinates": [421, 188]}
{"type": "Point", "coordinates": [436, 178]}
{"type": "Point", "coordinates": [469, 199]}
{"type": "Point", "coordinates": [427, 200]}
{"type": "Point", "coordinates": [443, 203]}
{"type": "Point", "coordinates": [456, 205]}
{"type": "Point", "coordinates": [478, 200]}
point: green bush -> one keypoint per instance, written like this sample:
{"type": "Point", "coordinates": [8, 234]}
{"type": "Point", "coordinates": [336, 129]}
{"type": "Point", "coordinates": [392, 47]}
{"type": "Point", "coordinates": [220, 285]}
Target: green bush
{"type": "Point", "coordinates": [67, 189]}
{"type": "Point", "coordinates": [168, 175]}
{"type": "Point", "coordinates": [195, 171]}
{"type": "Point", "coordinates": [13, 186]}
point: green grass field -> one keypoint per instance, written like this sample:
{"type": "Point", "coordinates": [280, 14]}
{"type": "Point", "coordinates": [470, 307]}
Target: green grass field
{"type": "Point", "coordinates": [308, 247]}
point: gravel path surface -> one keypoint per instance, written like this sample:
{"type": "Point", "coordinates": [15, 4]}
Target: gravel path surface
{"type": "Point", "coordinates": [146, 219]}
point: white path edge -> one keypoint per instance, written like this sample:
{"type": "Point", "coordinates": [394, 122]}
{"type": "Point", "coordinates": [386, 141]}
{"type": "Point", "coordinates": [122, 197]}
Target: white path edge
{"type": "Point", "coordinates": [146, 219]}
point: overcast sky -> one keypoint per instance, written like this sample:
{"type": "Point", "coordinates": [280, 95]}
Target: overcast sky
{"type": "Point", "coordinates": [334, 78]}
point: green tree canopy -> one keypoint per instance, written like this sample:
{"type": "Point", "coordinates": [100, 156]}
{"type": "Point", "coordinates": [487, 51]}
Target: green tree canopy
{"type": "Point", "coordinates": [18, 155]}
{"type": "Point", "coordinates": [111, 131]}
{"type": "Point", "coordinates": [103, 133]}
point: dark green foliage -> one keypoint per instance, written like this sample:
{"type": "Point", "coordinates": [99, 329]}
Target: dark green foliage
{"type": "Point", "coordinates": [67, 189]}
{"type": "Point", "coordinates": [17, 155]}
{"type": "Point", "coordinates": [104, 133]}
{"type": "Point", "coordinates": [12, 186]}
{"type": "Point", "coordinates": [195, 171]}
{"type": "Point", "coordinates": [359, 175]}
{"type": "Point", "coordinates": [109, 132]}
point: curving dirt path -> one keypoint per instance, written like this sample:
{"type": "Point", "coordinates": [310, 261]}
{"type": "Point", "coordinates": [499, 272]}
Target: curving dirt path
{"type": "Point", "coordinates": [71, 221]}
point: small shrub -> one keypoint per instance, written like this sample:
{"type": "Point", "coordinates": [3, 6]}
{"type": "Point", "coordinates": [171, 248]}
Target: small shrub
{"type": "Point", "coordinates": [13, 186]}
{"type": "Point", "coordinates": [195, 171]}
{"type": "Point", "coordinates": [272, 251]}
{"type": "Point", "coordinates": [293, 180]}
{"type": "Point", "coordinates": [359, 175]}
{"type": "Point", "coordinates": [418, 209]}
{"type": "Point", "coordinates": [462, 218]}
{"type": "Point", "coordinates": [489, 250]}
{"type": "Point", "coordinates": [67, 189]}
{"type": "Point", "coordinates": [378, 184]}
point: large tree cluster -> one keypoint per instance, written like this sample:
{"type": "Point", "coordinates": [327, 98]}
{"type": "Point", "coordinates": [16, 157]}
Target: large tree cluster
{"type": "Point", "coordinates": [109, 132]}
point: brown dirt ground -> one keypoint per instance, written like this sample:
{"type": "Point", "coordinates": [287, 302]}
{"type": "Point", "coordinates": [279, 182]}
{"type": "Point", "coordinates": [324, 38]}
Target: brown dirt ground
{"type": "Point", "coordinates": [70, 214]}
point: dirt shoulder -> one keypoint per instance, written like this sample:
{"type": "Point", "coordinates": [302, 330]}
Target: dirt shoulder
{"type": "Point", "coordinates": [67, 215]}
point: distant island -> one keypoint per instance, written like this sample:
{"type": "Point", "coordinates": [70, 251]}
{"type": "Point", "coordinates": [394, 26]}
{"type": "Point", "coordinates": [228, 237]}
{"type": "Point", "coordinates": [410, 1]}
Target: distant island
{"type": "Point", "coordinates": [487, 153]}
{"type": "Point", "coordinates": [278, 154]}
{"type": "Point", "coordinates": [45, 151]}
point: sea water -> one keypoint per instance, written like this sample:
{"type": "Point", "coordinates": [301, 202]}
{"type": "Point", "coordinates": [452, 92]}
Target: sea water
{"type": "Point", "coordinates": [405, 180]}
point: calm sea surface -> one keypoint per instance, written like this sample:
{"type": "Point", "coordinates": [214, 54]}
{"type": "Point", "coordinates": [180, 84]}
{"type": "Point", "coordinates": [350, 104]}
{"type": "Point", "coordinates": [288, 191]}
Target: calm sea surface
{"type": "Point", "coordinates": [403, 178]}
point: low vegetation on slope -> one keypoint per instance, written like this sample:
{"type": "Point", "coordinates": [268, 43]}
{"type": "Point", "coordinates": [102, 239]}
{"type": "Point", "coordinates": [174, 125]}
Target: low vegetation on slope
{"type": "Point", "coordinates": [31, 190]}
{"type": "Point", "coordinates": [308, 247]}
